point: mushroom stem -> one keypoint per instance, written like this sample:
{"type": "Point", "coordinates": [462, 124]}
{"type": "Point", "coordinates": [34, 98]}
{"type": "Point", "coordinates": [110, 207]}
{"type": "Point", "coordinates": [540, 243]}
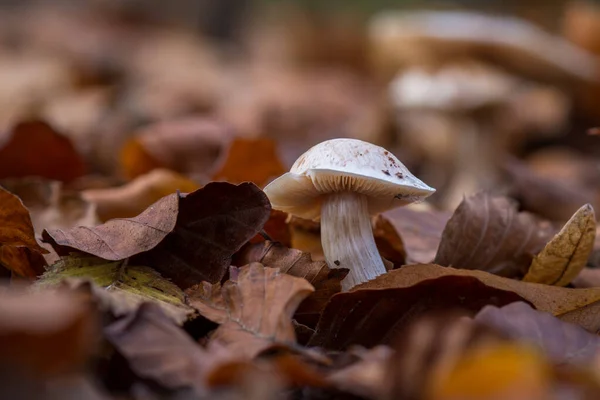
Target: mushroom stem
{"type": "Point", "coordinates": [347, 238]}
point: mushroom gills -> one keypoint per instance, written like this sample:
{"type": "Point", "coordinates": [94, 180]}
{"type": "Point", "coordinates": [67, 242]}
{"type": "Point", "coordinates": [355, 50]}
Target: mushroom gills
{"type": "Point", "coordinates": [347, 238]}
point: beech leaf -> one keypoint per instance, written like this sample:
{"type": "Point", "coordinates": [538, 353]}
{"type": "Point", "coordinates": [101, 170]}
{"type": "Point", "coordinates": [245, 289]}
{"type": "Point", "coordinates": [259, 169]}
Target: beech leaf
{"type": "Point", "coordinates": [188, 239]}
{"type": "Point", "coordinates": [134, 284]}
{"type": "Point", "coordinates": [19, 251]}
{"type": "Point", "coordinates": [563, 258]}
{"type": "Point", "coordinates": [254, 308]}
{"type": "Point", "coordinates": [294, 262]}
{"type": "Point", "coordinates": [578, 306]}
{"type": "Point", "coordinates": [489, 234]}
{"type": "Point", "coordinates": [561, 341]}
{"type": "Point", "coordinates": [369, 317]}
{"type": "Point", "coordinates": [419, 232]}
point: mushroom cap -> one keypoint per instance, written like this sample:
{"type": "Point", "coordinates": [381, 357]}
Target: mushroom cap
{"type": "Point", "coordinates": [341, 165]}
{"type": "Point", "coordinates": [456, 87]}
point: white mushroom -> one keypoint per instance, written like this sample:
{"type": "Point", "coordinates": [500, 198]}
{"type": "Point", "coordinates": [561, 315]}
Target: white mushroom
{"type": "Point", "coordinates": [344, 181]}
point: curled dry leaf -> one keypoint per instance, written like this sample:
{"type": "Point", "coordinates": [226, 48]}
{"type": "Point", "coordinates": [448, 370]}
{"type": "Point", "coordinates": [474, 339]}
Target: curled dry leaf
{"type": "Point", "coordinates": [567, 253]}
{"type": "Point", "coordinates": [297, 263]}
{"type": "Point", "coordinates": [561, 341]}
{"type": "Point", "coordinates": [418, 233]}
{"type": "Point", "coordinates": [119, 239]}
{"type": "Point", "coordinates": [19, 251]}
{"type": "Point", "coordinates": [578, 306]}
{"type": "Point", "coordinates": [188, 239]}
{"type": "Point", "coordinates": [254, 308]}
{"type": "Point", "coordinates": [189, 146]}
{"type": "Point", "coordinates": [276, 228]}
{"type": "Point", "coordinates": [133, 198]}
{"type": "Point", "coordinates": [489, 234]}
{"type": "Point", "coordinates": [133, 284]}
{"type": "Point", "coordinates": [160, 351]}
{"type": "Point", "coordinates": [253, 160]}
{"type": "Point", "coordinates": [553, 199]}
{"type": "Point", "coordinates": [369, 317]}
{"type": "Point", "coordinates": [44, 332]}
{"type": "Point", "coordinates": [34, 148]}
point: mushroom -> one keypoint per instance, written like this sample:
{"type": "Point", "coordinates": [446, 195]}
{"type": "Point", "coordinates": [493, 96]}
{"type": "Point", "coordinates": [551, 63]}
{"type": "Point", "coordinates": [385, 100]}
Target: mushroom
{"type": "Point", "coordinates": [344, 181]}
{"type": "Point", "coordinates": [477, 103]}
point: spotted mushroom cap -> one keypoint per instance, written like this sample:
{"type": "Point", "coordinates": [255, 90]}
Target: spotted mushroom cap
{"type": "Point", "coordinates": [340, 165]}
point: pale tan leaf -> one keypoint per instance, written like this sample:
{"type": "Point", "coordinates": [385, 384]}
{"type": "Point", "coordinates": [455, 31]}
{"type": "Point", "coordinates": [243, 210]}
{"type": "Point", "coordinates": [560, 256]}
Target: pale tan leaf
{"type": "Point", "coordinates": [254, 307]}
{"type": "Point", "coordinates": [566, 254]}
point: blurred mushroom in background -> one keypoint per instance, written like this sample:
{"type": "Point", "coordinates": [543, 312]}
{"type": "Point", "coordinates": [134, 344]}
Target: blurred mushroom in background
{"type": "Point", "coordinates": [463, 117]}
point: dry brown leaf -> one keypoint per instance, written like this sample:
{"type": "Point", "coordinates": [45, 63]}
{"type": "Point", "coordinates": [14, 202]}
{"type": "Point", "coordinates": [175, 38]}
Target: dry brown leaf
{"type": "Point", "coordinates": [578, 306]}
{"type": "Point", "coordinates": [567, 253]}
{"type": "Point", "coordinates": [34, 148]}
{"type": "Point", "coordinates": [133, 198]}
{"type": "Point", "coordinates": [489, 234]}
{"type": "Point", "coordinates": [418, 232]}
{"type": "Point", "coordinates": [254, 308]}
{"type": "Point", "coordinates": [45, 332]}
{"type": "Point", "coordinates": [159, 350]}
{"type": "Point", "coordinates": [253, 160]}
{"type": "Point", "coordinates": [19, 251]}
{"type": "Point", "coordinates": [276, 229]}
{"type": "Point", "coordinates": [187, 146]}
{"type": "Point", "coordinates": [550, 198]}
{"type": "Point", "coordinates": [188, 239]}
{"type": "Point", "coordinates": [369, 317]}
{"type": "Point", "coordinates": [297, 263]}
{"type": "Point", "coordinates": [119, 239]}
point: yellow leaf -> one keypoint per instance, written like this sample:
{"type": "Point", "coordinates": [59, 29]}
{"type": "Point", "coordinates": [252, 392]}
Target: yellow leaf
{"type": "Point", "coordinates": [566, 254]}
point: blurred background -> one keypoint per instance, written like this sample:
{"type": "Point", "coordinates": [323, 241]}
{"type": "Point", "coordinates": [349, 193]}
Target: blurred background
{"type": "Point", "coordinates": [470, 95]}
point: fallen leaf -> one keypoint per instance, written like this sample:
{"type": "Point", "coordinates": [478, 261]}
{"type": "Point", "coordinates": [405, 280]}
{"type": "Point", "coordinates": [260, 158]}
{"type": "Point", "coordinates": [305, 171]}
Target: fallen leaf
{"type": "Point", "coordinates": [369, 317]}
{"type": "Point", "coordinates": [34, 148]}
{"type": "Point", "coordinates": [366, 377]}
{"type": "Point", "coordinates": [133, 198]}
{"type": "Point", "coordinates": [50, 205]}
{"type": "Point", "coordinates": [135, 284]}
{"type": "Point", "coordinates": [188, 146]}
{"type": "Point", "coordinates": [119, 239]}
{"type": "Point", "coordinates": [253, 160]}
{"type": "Point", "coordinates": [44, 332]}
{"type": "Point", "coordinates": [19, 251]}
{"type": "Point", "coordinates": [188, 239]}
{"type": "Point", "coordinates": [254, 308]}
{"type": "Point", "coordinates": [503, 371]}
{"type": "Point", "coordinates": [297, 263]}
{"type": "Point", "coordinates": [489, 234]}
{"type": "Point", "coordinates": [276, 229]}
{"type": "Point", "coordinates": [562, 342]}
{"type": "Point", "coordinates": [212, 225]}
{"type": "Point", "coordinates": [578, 306]}
{"type": "Point", "coordinates": [160, 351]}
{"type": "Point", "coordinates": [567, 253]}
{"type": "Point", "coordinates": [550, 198]}
{"type": "Point", "coordinates": [418, 233]}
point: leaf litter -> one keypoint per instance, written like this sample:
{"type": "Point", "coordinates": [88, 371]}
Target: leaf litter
{"type": "Point", "coordinates": [127, 273]}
